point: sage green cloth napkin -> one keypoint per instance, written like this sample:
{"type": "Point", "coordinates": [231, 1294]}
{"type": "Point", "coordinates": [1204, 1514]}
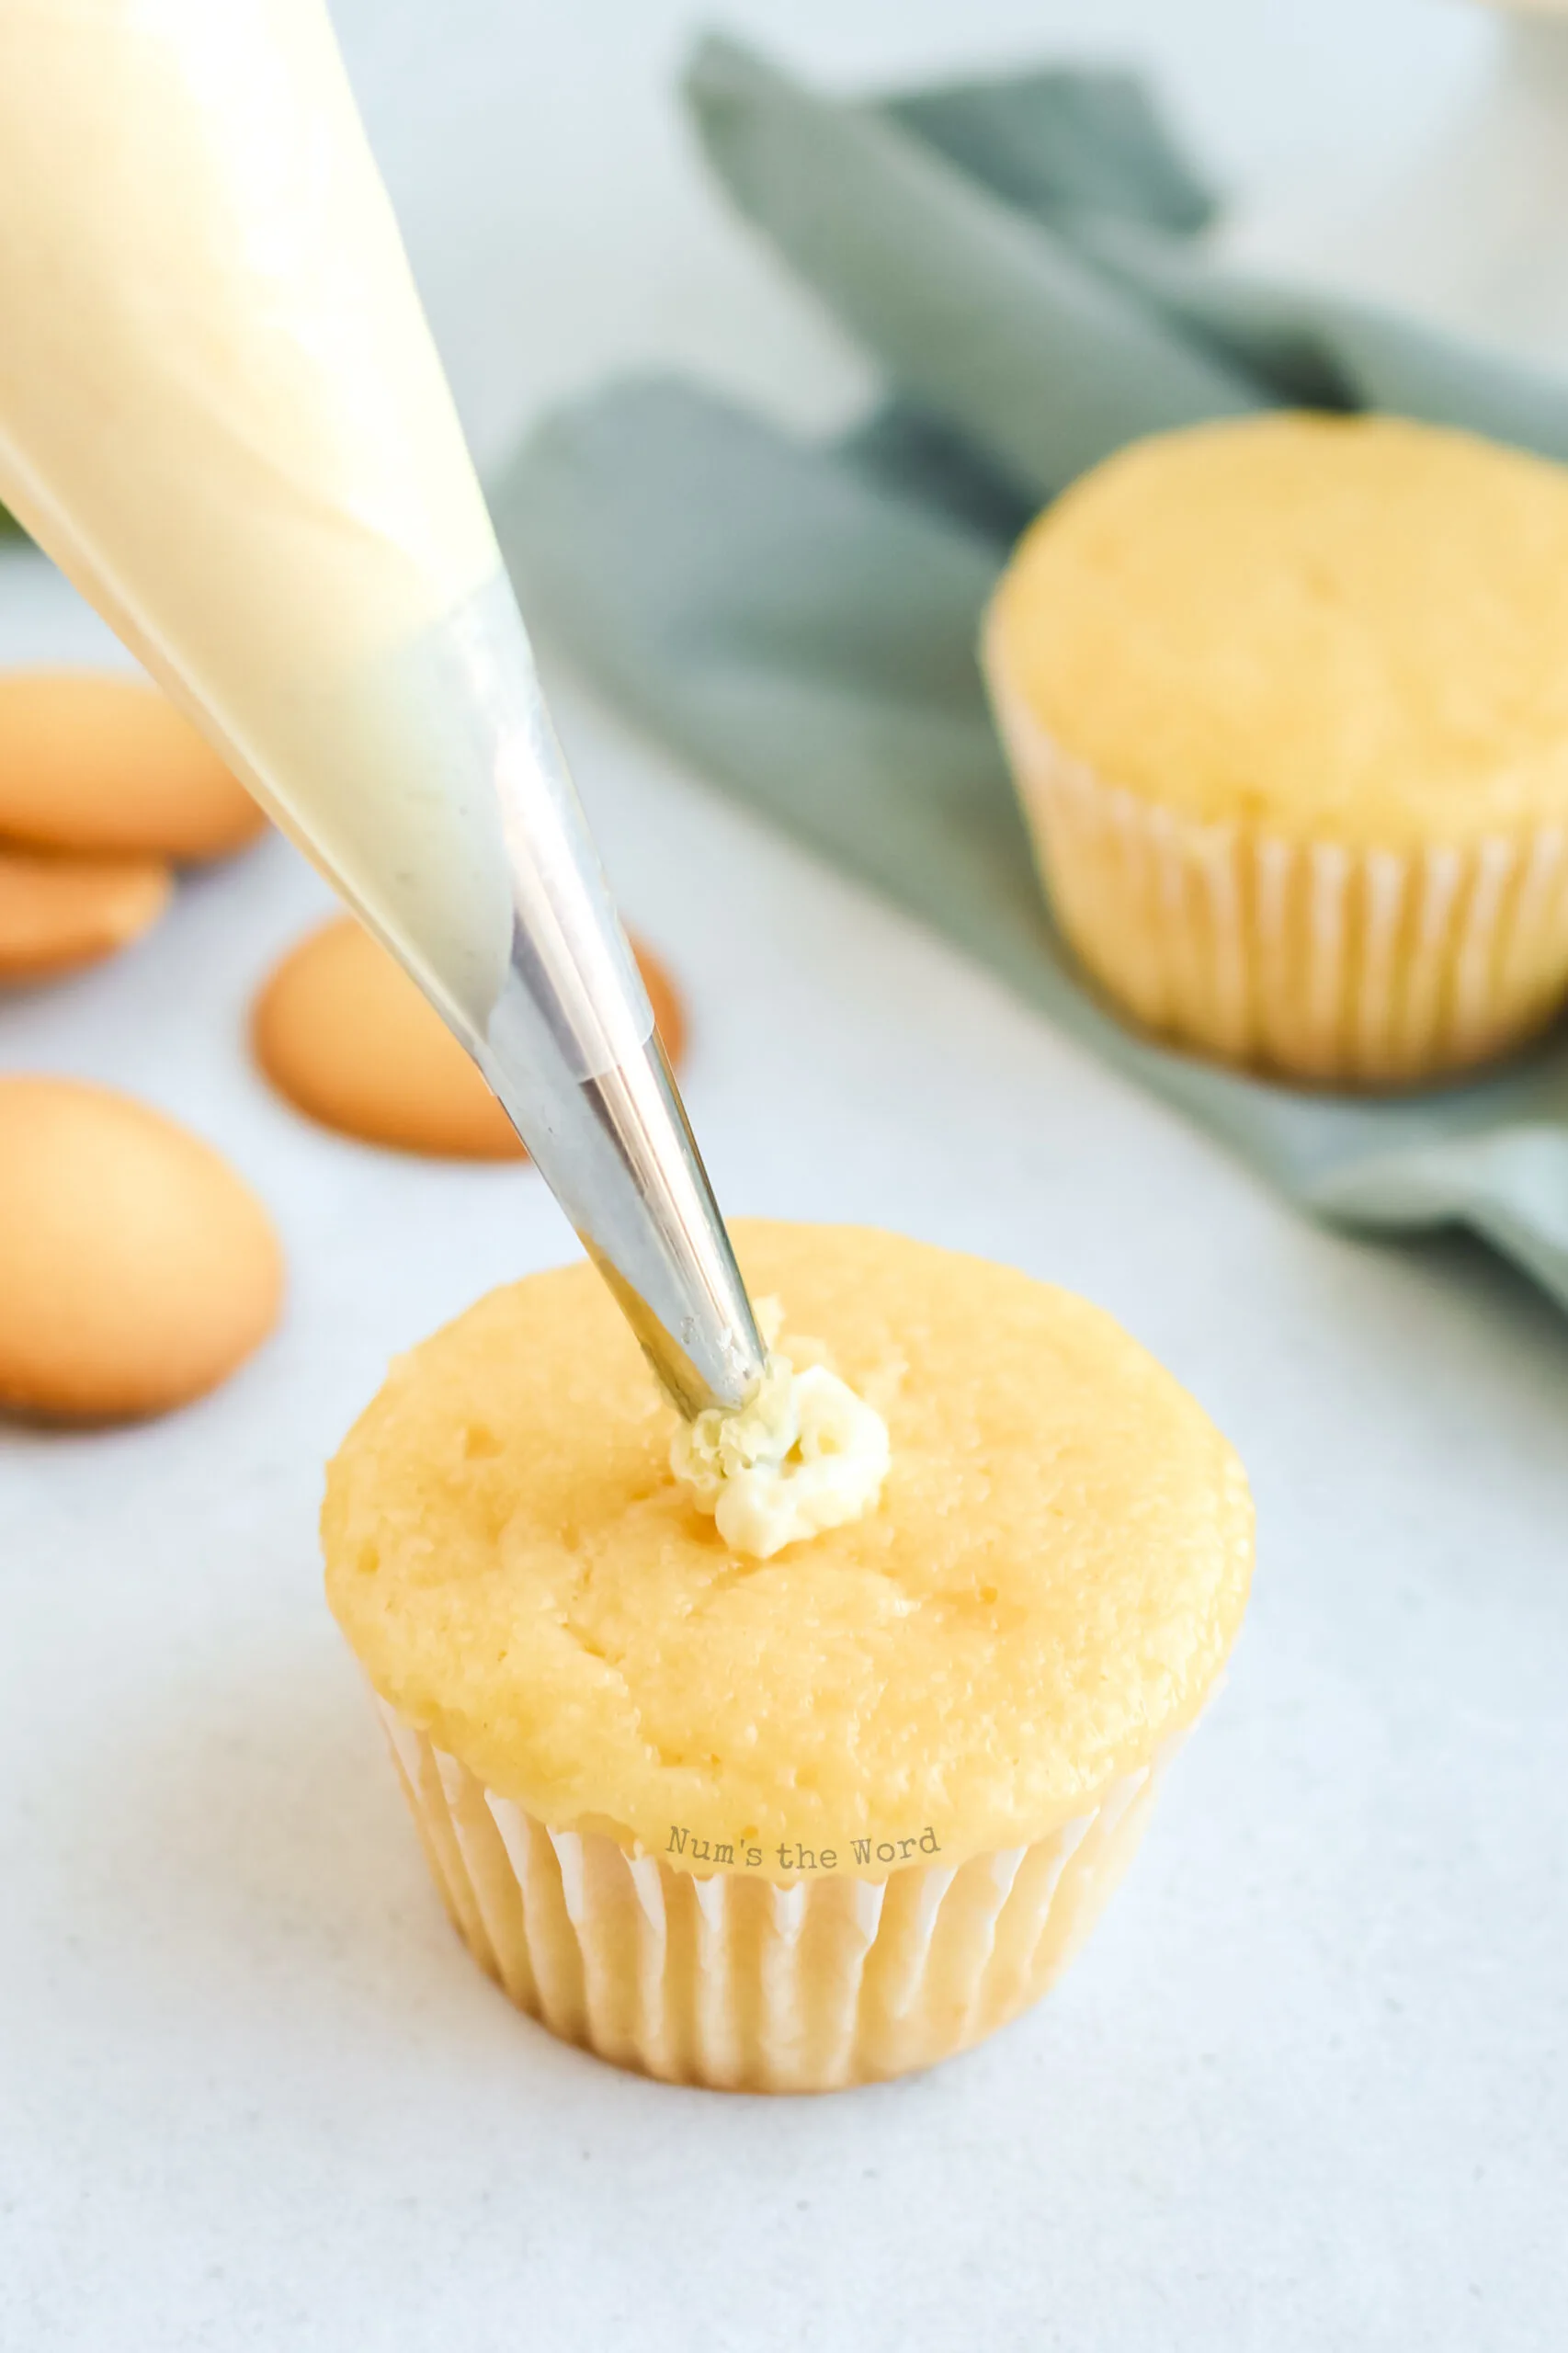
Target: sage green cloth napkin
{"type": "Point", "coordinates": [1023, 258]}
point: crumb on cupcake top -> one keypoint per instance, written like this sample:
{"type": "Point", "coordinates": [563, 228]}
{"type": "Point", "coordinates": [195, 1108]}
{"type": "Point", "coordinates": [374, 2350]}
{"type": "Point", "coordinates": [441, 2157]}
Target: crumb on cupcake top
{"type": "Point", "coordinates": [1055, 1573]}
{"type": "Point", "coordinates": [1347, 627]}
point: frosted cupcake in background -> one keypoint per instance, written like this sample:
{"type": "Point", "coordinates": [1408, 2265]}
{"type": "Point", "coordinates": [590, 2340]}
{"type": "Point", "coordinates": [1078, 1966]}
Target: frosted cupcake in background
{"type": "Point", "coordinates": [1287, 703]}
{"type": "Point", "coordinates": [785, 1799]}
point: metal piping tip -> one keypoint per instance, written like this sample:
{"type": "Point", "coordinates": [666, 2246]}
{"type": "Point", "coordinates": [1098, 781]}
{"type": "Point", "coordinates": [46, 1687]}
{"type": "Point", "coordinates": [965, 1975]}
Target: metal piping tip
{"type": "Point", "coordinates": [647, 1218]}
{"type": "Point", "coordinates": [555, 1014]}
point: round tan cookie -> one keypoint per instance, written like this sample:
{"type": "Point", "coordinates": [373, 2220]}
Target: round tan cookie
{"type": "Point", "coordinates": [58, 912]}
{"type": "Point", "coordinates": [93, 762]}
{"type": "Point", "coordinates": [342, 1031]}
{"type": "Point", "coordinates": [136, 1269]}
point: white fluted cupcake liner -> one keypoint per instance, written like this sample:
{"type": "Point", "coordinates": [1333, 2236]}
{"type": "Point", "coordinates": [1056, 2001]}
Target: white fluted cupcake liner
{"type": "Point", "coordinates": [739, 1983]}
{"type": "Point", "coordinates": [1329, 962]}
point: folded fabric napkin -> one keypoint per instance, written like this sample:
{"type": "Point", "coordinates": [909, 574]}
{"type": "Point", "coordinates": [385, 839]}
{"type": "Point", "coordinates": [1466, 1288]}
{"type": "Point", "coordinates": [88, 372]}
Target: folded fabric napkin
{"type": "Point", "coordinates": [1024, 260]}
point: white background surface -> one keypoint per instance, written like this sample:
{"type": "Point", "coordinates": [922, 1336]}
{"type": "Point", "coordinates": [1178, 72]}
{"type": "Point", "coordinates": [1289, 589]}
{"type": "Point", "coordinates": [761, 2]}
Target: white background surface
{"type": "Point", "coordinates": [1306, 2090]}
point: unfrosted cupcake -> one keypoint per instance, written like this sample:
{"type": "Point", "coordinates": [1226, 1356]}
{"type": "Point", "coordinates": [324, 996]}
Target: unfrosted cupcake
{"type": "Point", "coordinates": [1286, 702]}
{"type": "Point", "coordinates": [795, 1822]}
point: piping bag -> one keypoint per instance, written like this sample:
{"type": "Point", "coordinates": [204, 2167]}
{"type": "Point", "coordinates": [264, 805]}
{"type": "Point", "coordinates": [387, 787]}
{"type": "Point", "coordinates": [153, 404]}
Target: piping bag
{"type": "Point", "coordinates": [223, 415]}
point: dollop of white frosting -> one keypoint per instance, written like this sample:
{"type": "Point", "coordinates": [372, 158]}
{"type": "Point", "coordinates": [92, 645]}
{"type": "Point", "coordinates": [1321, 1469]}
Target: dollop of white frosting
{"type": "Point", "coordinates": [805, 1453]}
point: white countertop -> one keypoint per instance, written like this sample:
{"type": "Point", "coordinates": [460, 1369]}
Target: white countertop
{"type": "Point", "coordinates": [1306, 2088]}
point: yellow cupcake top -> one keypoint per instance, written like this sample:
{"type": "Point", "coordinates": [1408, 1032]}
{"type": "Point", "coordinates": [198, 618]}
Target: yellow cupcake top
{"type": "Point", "coordinates": [1350, 628]}
{"type": "Point", "coordinates": [1055, 1573]}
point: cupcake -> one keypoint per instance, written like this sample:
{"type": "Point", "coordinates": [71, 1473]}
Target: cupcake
{"type": "Point", "coordinates": [780, 1804]}
{"type": "Point", "coordinates": [1286, 702]}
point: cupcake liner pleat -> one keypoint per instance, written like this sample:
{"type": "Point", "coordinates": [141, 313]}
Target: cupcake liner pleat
{"type": "Point", "coordinates": [744, 1983]}
{"type": "Point", "coordinates": [1327, 960]}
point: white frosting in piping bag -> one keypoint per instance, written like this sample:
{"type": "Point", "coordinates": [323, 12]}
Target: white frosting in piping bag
{"type": "Point", "coordinates": [221, 412]}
